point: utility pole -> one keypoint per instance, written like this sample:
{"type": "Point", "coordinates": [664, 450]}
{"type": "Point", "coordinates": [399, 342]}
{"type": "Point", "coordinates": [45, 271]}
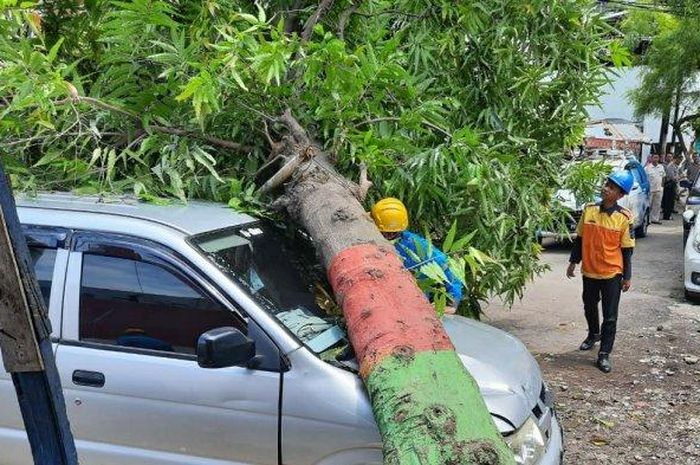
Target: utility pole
{"type": "Point", "coordinates": [25, 342]}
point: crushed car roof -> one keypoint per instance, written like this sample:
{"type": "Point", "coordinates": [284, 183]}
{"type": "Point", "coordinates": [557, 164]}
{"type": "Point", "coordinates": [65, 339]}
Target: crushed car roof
{"type": "Point", "coordinates": [191, 218]}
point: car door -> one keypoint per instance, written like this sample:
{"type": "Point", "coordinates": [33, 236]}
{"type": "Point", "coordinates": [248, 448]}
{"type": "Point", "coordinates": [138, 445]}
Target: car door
{"type": "Point", "coordinates": [134, 391]}
{"type": "Point", "coordinates": [46, 247]}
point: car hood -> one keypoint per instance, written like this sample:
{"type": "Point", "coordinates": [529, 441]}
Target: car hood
{"type": "Point", "coordinates": [567, 199]}
{"type": "Point", "coordinates": [507, 374]}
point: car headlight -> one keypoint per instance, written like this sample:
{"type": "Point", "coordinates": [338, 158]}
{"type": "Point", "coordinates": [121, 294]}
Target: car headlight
{"type": "Point", "coordinates": [527, 443]}
{"type": "Point", "coordinates": [696, 242]}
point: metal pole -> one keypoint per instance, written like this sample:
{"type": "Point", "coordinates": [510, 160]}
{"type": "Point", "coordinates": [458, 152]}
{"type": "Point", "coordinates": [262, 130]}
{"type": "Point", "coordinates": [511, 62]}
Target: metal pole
{"type": "Point", "coordinates": [25, 331]}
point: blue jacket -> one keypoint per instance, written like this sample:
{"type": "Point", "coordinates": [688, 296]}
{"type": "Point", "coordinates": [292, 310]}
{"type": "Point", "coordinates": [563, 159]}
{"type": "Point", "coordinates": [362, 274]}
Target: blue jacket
{"type": "Point", "coordinates": [410, 246]}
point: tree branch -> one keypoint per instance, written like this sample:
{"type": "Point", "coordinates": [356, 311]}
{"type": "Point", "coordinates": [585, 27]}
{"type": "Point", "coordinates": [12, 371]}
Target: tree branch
{"type": "Point", "coordinates": [364, 183]}
{"type": "Point", "coordinates": [686, 119]}
{"type": "Point", "coordinates": [298, 132]}
{"type": "Point", "coordinates": [290, 20]}
{"type": "Point", "coordinates": [315, 18]}
{"type": "Point", "coordinates": [97, 103]}
{"type": "Point", "coordinates": [210, 139]}
{"type": "Point", "coordinates": [164, 129]}
{"type": "Point", "coordinates": [282, 174]}
{"type": "Point", "coordinates": [345, 18]}
{"type": "Point", "coordinates": [397, 119]}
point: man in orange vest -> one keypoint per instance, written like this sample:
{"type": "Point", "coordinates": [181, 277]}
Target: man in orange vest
{"type": "Point", "coordinates": [604, 243]}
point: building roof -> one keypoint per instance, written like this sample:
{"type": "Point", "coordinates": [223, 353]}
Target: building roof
{"type": "Point", "coordinates": [190, 218]}
{"type": "Point", "coordinates": [616, 129]}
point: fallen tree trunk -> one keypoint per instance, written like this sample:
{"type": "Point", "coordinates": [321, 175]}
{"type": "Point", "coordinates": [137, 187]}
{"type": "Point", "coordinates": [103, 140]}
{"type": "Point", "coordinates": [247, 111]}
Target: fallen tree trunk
{"type": "Point", "coordinates": [428, 408]}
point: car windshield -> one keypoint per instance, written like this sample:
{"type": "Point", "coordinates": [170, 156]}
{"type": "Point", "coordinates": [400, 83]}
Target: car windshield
{"type": "Point", "coordinates": [279, 269]}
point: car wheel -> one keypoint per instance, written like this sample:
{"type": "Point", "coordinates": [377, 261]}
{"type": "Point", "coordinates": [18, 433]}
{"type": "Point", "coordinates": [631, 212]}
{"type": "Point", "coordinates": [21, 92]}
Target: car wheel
{"type": "Point", "coordinates": [691, 296]}
{"type": "Point", "coordinates": [642, 230]}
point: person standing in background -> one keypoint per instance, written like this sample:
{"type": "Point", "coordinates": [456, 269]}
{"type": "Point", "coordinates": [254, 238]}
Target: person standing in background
{"type": "Point", "coordinates": [656, 173]}
{"type": "Point", "coordinates": [692, 167]}
{"type": "Point", "coordinates": [670, 186]}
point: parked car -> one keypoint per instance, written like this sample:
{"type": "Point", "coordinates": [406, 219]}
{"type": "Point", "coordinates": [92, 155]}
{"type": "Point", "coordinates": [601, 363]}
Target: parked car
{"type": "Point", "coordinates": [692, 203]}
{"type": "Point", "coordinates": [691, 256]}
{"type": "Point", "coordinates": [638, 201]}
{"type": "Point", "coordinates": [140, 296]}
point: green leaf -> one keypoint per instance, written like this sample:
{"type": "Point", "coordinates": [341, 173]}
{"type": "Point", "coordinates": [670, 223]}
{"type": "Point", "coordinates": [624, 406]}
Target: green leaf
{"type": "Point", "coordinates": [48, 159]}
{"type": "Point", "coordinates": [262, 18]}
{"type": "Point", "coordinates": [447, 244]}
{"type": "Point", "coordinates": [189, 90]}
{"type": "Point", "coordinates": [111, 162]}
{"type": "Point", "coordinates": [206, 160]}
{"type": "Point", "coordinates": [54, 50]}
{"type": "Point", "coordinates": [96, 154]}
{"type": "Point", "coordinates": [249, 18]}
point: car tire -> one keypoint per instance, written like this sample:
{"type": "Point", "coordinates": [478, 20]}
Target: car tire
{"type": "Point", "coordinates": [643, 229]}
{"type": "Point", "coordinates": [692, 297]}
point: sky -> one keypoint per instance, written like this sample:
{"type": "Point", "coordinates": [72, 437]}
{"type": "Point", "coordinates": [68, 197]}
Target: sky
{"type": "Point", "coordinates": [614, 104]}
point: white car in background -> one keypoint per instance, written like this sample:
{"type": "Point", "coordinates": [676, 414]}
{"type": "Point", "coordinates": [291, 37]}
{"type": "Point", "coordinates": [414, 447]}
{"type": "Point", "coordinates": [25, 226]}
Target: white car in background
{"type": "Point", "coordinates": [691, 257]}
{"type": "Point", "coordinates": [637, 201]}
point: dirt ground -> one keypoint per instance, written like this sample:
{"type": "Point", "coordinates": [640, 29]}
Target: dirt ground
{"type": "Point", "coordinates": [647, 410]}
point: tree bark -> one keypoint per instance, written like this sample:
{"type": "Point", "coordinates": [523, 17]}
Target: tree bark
{"type": "Point", "coordinates": [428, 408]}
{"type": "Point", "coordinates": [678, 127]}
{"type": "Point", "coordinates": [674, 124]}
{"type": "Point", "coordinates": [663, 134]}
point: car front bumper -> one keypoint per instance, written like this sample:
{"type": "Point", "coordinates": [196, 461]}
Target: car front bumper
{"type": "Point", "coordinates": [691, 265]}
{"type": "Point", "coordinates": [555, 449]}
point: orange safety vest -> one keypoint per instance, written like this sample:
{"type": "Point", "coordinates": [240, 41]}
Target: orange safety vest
{"type": "Point", "coordinates": [604, 233]}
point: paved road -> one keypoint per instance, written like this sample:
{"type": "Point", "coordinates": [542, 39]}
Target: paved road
{"type": "Point", "coordinates": [549, 319]}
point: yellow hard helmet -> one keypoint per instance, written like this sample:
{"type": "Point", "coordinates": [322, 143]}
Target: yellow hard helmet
{"type": "Point", "coordinates": [390, 215]}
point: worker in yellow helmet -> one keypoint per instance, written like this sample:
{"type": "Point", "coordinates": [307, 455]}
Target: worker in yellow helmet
{"type": "Point", "coordinates": [391, 217]}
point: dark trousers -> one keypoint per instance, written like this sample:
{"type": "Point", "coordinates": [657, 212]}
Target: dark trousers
{"type": "Point", "coordinates": [607, 290]}
{"type": "Point", "coordinates": [668, 200]}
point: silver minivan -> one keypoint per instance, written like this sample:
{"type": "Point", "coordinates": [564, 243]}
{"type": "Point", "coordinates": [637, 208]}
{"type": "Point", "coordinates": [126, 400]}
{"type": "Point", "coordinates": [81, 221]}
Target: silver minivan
{"type": "Point", "coordinates": [142, 298]}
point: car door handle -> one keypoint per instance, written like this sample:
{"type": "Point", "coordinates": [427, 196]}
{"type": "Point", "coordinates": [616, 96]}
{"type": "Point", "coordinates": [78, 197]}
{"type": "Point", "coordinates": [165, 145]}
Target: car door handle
{"type": "Point", "coordinates": [88, 378]}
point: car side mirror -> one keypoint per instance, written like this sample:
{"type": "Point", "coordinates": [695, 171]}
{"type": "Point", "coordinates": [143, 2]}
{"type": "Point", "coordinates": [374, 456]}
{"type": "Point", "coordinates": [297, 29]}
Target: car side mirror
{"type": "Point", "coordinates": [224, 347]}
{"type": "Point", "coordinates": [686, 184]}
{"type": "Point", "coordinates": [688, 216]}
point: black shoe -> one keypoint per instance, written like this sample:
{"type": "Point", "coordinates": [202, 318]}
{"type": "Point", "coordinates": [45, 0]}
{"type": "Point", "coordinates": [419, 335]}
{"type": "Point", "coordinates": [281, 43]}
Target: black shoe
{"type": "Point", "coordinates": [656, 222]}
{"type": "Point", "coordinates": [604, 363]}
{"type": "Point", "coordinates": [589, 342]}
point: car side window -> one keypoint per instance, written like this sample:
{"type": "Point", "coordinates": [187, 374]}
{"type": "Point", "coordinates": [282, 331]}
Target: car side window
{"type": "Point", "coordinates": [138, 304]}
{"type": "Point", "coordinates": [44, 260]}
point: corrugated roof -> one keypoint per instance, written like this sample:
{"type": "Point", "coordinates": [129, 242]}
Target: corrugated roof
{"type": "Point", "coordinates": [616, 129]}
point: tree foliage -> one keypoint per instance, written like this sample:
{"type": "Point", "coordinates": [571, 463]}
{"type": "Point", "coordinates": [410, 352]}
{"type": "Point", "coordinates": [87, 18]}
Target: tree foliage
{"type": "Point", "coordinates": [462, 109]}
{"type": "Point", "coordinates": [672, 61]}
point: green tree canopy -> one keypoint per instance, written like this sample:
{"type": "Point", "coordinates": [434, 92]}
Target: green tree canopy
{"type": "Point", "coordinates": [672, 61]}
{"type": "Point", "coordinates": [462, 109]}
